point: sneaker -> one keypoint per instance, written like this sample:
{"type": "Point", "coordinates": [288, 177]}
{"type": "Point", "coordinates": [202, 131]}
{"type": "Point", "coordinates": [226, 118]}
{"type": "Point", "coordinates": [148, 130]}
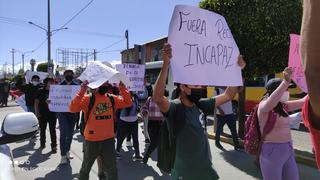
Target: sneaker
{"type": "Point", "coordinates": [137, 158]}
{"type": "Point", "coordinates": [102, 176]}
{"type": "Point", "coordinates": [69, 156]}
{"type": "Point", "coordinates": [219, 146]}
{"type": "Point", "coordinates": [237, 147]}
{"type": "Point", "coordinates": [54, 150]}
{"type": "Point", "coordinates": [64, 160]}
{"type": "Point", "coordinates": [118, 157]}
{"type": "Point", "coordinates": [129, 144]}
{"type": "Point", "coordinates": [145, 160]}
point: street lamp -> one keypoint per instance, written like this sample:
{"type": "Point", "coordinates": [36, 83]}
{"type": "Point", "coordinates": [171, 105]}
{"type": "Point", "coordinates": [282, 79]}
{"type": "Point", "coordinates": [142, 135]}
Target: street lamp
{"type": "Point", "coordinates": [49, 34]}
{"type": "Point", "coordinates": [32, 63]}
{"type": "Point", "coordinates": [23, 54]}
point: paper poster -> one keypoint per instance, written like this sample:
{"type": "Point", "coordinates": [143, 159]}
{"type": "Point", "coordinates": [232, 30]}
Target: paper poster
{"type": "Point", "coordinates": [98, 73]}
{"type": "Point", "coordinates": [295, 62]}
{"type": "Point", "coordinates": [203, 49]}
{"type": "Point", "coordinates": [135, 73]}
{"type": "Point", "coordinates": [60, 97]}
{"type": "Point", "coordinates": [29, 75]}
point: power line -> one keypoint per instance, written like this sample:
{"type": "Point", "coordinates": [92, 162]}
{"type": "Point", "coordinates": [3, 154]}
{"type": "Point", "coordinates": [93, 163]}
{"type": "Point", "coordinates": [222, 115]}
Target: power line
{"type": "Point", "coordinates": [102, 50]}
{"type": "Point", "coordinates": [73, 17]}
{"type": "Point", "coordinates": [94, 33]}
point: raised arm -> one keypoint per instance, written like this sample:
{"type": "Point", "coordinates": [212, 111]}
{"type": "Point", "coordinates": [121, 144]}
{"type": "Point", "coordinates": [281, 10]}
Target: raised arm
{"type": "Point", "coordinates": [230, 92]}
{"type": "Point", "coordinates": [272, 101]}
{"type": "Point", "coordinates": [125, 99]}
{"type": "Point", "coordinates": [160, 85]}
{"type": "Point", "coordinates": [310, 51]}
{"type": "Point", "coordinates": [79, 102]}
{"type": "Point", "coordinates": [296, 104]}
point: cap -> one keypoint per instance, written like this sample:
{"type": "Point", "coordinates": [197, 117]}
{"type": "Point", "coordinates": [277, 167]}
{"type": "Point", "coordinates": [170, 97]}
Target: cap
{"type": "Point", "coordinates": [273, 84]}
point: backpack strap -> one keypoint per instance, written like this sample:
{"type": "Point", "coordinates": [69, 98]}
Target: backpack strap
{"type": "Point", "coordinates": [90, 106]}
{"type": "Point", "coordinates": [112, 101]}
{"type": "Point", "coordinates": [272, 117]}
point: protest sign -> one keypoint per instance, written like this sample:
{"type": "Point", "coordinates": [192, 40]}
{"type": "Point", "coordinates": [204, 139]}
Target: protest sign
{"type": "Point", "coordinates": [203, 49]}
{"type": "Point", "coordinates": [98, 73]}
{"type": "Point", "coordinates": [21, 101]}
{"type": "Point", "coordinates": [60, 97]}
{"type": "Point", "coordinates": [135, 73]}
{"type": "Point", "coordinates": [295, 62]}
{"type": "Point", "coordinates": [29, 75]}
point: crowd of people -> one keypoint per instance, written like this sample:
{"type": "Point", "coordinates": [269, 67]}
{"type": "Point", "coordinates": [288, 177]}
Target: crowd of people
{"type": "Point", "coordinates": [111, 114]}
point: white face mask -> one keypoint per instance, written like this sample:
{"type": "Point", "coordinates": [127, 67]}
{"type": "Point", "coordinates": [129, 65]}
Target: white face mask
{"type": "Point", "coordinates": [285, 97]}
{"type": "Point", "coordinates": [35, 83]}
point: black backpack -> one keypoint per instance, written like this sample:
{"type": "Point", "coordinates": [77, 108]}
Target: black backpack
{"type": "Point", "coordinates": [83, 121]}
{"type": "Point", "coordinates": [167, 138]}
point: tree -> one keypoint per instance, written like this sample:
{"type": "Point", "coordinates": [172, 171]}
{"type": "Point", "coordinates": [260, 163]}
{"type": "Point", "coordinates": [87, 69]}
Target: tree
{"type": "Point", "coordinates": [261, 29]}
{"type": "Point", "coordinates": [21, 71]}
{"type": "Point", "coordinates": [43, 67]}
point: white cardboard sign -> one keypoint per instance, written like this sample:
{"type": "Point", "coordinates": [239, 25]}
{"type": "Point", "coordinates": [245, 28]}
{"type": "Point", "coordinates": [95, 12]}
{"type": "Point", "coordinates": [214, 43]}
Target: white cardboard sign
{"type": "Point", "coordinates": [98, 73]}
{"type": "Point", "coordinates": [135, 73]}
{"type": "Point", "coordinates": [29, 75]}
{"type": "Point", "coordinates": [60, 97]}
{"type": "Point", "coordinates": [21, 101]}
{"type": "Point", "coordinates": [203, 49]}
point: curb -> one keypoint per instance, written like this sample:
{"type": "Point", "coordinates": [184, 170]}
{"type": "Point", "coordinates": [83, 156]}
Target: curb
{"type": "Point", "coordinates": [302, 157]}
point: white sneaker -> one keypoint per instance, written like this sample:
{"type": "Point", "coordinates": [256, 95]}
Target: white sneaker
{"type": "Point", "coordinates": [69, 156]}
{"type": "Point", "coordinates": [129, 144]}
{"type": "Point", "coordinates": [64, 160]}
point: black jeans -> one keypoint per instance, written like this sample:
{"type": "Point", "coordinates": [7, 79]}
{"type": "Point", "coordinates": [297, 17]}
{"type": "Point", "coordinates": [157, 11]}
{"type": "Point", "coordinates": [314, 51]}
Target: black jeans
{"type": "Point", "coordinates": [154, 130]}
{"type": "Point", "coordinates": [124, 129]}
{"type": "Point", "coordinates": [104, 149]}
{"type": "Point", "coordinates": [230, 120]}
{"type": "Point", "coordinates": [52, 121]}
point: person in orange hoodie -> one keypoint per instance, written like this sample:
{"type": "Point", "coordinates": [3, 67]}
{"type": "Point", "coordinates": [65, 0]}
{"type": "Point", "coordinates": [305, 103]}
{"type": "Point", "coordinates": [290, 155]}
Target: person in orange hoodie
{"type": "Point", "coordinates": [99, 129]}
{"type": "Point", "coordinates": [310, 57]}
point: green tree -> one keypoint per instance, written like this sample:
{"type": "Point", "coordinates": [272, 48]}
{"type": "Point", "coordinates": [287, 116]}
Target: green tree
{"type": "Point", "coordinates": [43, 67]}
{"type": "Point", "coordinates": [21, 71]}
{"type": "Point", "coordinates": [261, 29]}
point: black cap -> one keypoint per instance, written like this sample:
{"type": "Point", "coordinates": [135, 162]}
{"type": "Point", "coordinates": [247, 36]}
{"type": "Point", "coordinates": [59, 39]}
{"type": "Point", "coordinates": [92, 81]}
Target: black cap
{"type": "Point", "coordinates": [273, 84]}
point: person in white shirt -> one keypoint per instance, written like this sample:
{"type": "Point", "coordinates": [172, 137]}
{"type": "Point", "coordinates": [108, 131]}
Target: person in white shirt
{"type": "Point", "coordinates": [225, 115]}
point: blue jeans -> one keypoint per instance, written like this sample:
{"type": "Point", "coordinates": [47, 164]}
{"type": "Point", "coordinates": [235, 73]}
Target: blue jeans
{"type": "Point", "coordinates": [230, 120]}
{"type": "Point", "coordinates": [67, 123]}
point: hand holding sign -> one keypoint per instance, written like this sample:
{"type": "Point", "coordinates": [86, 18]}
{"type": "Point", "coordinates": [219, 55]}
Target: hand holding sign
{"type": "Point", "coordinates": [287, 74]}
{"type": "Point", "coordinates": [242, 64]}
{"type": "Point", "coordinates": [166, 53]}
{"type": "Point", "coordinates": [203, 49]}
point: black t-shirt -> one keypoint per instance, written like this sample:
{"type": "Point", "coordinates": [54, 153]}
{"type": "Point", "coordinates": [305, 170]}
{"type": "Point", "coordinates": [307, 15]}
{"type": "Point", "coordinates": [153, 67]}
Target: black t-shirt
{"type": "Point", "coordinates": [42, 95]}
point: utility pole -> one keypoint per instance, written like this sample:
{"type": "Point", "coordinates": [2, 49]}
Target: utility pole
{"type": "Point", "coordinates": [94, 55]}
{"type": "Point", "coordinates": [13, 51]}
{"type": "Point", "coordinates": [127, 37]}
{"type": "Point", "coordinates": [49, 41]}
{"type": "Point", "coordinates": [22, 62]}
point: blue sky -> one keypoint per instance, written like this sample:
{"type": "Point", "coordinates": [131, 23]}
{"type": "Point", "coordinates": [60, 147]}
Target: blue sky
{"type": "Point", "coordinates": [145, 19]}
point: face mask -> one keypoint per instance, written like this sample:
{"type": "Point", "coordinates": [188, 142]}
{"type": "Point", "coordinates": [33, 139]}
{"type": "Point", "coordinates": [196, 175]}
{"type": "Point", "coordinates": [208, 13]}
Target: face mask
{"type": "Point", "coordinates": [285, 97]}
{"type": "Point", "coordinates": [103, 89]}
{"type": "Point", "coordinates": [35, 83]}
{"type": "Point", "coordinates": [69, 78]}
{"type": "Point", "coordinates": [197, 94]}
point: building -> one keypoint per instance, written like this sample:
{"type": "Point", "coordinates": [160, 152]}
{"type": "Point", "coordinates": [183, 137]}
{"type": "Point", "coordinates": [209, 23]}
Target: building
{"type": "Point", "coordinates": [147, 52]}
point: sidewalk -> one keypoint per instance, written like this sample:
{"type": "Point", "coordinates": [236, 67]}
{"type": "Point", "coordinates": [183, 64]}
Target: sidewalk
{"type": "Point", "coordinates": [42, 165]}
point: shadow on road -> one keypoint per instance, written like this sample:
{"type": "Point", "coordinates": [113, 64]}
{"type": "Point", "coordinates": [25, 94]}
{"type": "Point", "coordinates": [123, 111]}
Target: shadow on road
{"type": "Point", "coordinates": [243, 162]}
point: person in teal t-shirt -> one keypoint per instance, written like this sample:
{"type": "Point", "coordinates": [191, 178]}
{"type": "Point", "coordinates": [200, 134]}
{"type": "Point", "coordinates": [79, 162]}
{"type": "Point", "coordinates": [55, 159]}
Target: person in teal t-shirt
{"type": "Point", "coordinates": [192, 161]}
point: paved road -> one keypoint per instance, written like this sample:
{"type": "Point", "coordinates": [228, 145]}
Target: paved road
{"type": "Point", "coordinates": [39, 165]}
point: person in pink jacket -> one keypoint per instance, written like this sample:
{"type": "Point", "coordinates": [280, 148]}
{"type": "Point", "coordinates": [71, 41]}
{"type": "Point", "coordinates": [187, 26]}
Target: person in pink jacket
{"type": "Point", "coordinates": [277, 158]}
